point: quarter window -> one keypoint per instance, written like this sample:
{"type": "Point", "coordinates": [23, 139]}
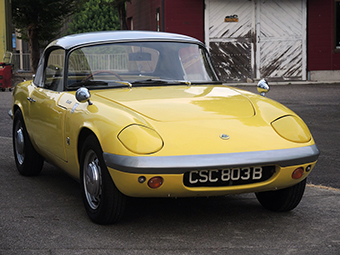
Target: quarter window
{"type": "Point", "coordinates": [54, 70]}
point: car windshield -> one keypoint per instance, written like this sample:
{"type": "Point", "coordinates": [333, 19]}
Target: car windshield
{"type": "Point", "coordinates": [139, 64]}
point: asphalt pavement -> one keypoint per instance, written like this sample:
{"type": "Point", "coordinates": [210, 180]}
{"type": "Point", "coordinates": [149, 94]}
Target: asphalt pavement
{"type": "Point", "coordinates": [45, 214]}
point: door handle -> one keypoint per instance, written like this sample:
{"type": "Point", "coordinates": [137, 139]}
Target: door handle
{"type": "Point", "coordinates": [30, 99]}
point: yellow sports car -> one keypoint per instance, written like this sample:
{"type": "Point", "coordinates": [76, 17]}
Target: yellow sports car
{"type": "Point", "coordinates": [143, 114]}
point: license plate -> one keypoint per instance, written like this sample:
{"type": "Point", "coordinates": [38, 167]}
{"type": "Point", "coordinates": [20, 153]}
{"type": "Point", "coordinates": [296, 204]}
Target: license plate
{"type": "Point", "coordinates": [228, 176]}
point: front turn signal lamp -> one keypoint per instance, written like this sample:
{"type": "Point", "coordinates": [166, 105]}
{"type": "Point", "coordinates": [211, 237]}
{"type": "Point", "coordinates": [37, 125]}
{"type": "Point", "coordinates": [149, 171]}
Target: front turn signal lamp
{"type": "Point", "coordinates": [292, 128]}
{"type": "Point", "coordinates": [155, 182]}
{"type": "Point", "coordinates": [140, 139]}
{"type": "Point", "coordinates": [298, 173]}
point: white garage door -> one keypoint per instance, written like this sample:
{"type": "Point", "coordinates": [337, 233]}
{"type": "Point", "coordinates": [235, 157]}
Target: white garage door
{"type": "Point", "coordinates": [257, 39]}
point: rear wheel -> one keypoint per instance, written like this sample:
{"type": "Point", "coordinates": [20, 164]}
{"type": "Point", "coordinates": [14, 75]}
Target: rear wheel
{"type": "Point", "coordinates": [27, 159]}
{"type": "Point", "coordinates": [282, 200]}
{"type": "Point", "coordinates": [103, 202]}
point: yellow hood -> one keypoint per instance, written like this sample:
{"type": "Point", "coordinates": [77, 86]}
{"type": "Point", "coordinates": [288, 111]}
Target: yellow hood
{"type": "Point", "coordinates": [174, 103]}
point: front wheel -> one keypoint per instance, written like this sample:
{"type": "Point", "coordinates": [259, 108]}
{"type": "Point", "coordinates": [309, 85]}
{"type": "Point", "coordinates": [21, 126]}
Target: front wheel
{"type": "Point", "coordinates": [282, 200]}
{"type": "Point", "coordinates": [103, 202]}
{"type": "Point", "coordinates": [27, 159]}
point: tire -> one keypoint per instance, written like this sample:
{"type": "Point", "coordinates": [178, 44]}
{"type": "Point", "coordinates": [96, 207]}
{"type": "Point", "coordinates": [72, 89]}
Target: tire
{"type": "Point", "coordinates": [27, 159]}
{"type": "Point", "coordinates": [282, 200]}
{"type": "Point", "coordinates": [103, 202]}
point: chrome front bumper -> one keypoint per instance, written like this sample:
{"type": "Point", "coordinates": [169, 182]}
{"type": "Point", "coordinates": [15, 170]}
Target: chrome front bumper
{"type": "Point", "coordinates": [182, 164]}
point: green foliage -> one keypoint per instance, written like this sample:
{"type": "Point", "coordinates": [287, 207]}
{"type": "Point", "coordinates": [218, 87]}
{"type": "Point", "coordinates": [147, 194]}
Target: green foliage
{"type": "Point", "coordinates": [95, 15]}
{"type": "Point", "coordinates": [44, 16]}
{"type": "Point", "coordinates": [40, 21]}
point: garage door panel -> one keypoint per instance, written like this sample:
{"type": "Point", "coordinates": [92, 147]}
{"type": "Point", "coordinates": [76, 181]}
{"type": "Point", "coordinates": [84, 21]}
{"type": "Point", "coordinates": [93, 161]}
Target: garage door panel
{"type": "Point", "coordinates": [232, 60]}
{"type": "Point", "coordinates": [281, 18]}
{"type": "Point", "coordinates": [218, 28]}
{"type": "Point", "coordinates": [267, 41]}
{"type": "Point", "coordinates": [281, 60]}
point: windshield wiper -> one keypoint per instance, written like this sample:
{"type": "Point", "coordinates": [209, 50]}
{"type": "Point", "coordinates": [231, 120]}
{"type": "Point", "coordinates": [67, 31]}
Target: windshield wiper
{"type": "Point", "coordinates": [127, 83]}
{"type": "Point", "coordinates": [87, 83]}
{"type": "Point", "coordinates": [90, 83]}
{"type": "Point", "coordinates": [160, 81]}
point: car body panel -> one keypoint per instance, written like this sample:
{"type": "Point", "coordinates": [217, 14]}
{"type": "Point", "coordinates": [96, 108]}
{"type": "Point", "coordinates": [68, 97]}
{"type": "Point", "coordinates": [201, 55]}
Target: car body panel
{"type": "Point", "coordinates": [183, 103]}
{"type": "Point", "coordinates": [47, 117]}
{"type": "Point", "coordinates": [173, 184]}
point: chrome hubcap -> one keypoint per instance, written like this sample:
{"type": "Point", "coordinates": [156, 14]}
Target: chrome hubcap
{"type": "Point", "coordinates": [92, 179]}
{"type": "Point", "coordinates": [19, 144]}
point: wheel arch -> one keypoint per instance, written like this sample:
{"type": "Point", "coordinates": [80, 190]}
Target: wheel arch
{"type": "Point", "coordinates": [83, 134]}
{"type": "Point", "coordinates": [17, 107]}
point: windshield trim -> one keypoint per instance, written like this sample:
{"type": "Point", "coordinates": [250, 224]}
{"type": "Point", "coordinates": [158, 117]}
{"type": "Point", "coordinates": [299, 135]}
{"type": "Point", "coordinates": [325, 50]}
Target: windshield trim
{"type": "Point", "coordinates": [212, 73]}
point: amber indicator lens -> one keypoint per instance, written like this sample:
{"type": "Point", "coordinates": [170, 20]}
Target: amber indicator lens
{"type": "Point", "coordinates": [298, 173]}
{"type": "Point", "coordinates": [155, 182]}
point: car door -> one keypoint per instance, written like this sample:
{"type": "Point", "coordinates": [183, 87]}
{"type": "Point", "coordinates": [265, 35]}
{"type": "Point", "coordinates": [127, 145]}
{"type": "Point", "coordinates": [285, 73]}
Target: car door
{"type": "Point", "coordinates": [46, 117]}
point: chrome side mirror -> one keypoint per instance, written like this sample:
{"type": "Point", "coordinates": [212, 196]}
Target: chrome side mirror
{"type": "Point", "coordinates": [83, 95]}
{"type": "Point", "coordinates": [263, 87]}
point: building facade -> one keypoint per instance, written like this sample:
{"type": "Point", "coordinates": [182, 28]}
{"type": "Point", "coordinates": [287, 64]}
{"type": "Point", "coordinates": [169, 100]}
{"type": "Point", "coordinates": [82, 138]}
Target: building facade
{"type": "Point", "coordinates": [252, 39]}
{"type": "Point", "coordinates": [184, 17]}
{"type": "Point", "coordinates": [323, 48]}
{"type": "Point", "coordinates": [5, 27]}
{"type": "Point", "coordinates": [257, 39]}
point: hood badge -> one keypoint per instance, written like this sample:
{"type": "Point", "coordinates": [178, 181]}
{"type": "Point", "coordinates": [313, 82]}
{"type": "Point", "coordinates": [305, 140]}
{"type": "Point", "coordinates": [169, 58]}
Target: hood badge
{"type": "Point", "coordinates": [224, 136]}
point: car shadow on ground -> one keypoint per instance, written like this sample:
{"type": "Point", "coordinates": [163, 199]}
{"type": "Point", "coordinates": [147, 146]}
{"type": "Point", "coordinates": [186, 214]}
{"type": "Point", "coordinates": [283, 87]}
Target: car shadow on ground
{"type": "Point", "coordinates": [55, 189]}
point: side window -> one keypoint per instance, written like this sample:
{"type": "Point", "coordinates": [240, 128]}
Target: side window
{"type": "Point", "coordinates": [54, 70]}
{"type": "Point", "coordinates": [38, 79]}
